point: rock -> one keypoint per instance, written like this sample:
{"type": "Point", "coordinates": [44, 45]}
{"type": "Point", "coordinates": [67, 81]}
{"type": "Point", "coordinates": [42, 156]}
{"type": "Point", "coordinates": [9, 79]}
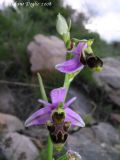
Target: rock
{"type": "Point", "coordinates": [9, 123]}
{"type": "Point", "coordinates": [2, 156]}
{"type": "Point", "coordinates": [7, 100]}
{"type": "Point", "coordinates": [90, 147]}
{"type": "Point", "coordinates": [106, 133]}
{"type": "Point", "coordinates": [109, 78]}
{"type": "Point", "coordinates": [115, 116]}
{"type": "Point", "coordinates": [38, 135]}
{"type": "Point", "coordinates": [18, 147]}
{"type": "Point", "coordinates": [45, 52]}
{"type": "Point", "coordinates": [38, 132]}
{"type": "Point", "coordinates": [83, 105]}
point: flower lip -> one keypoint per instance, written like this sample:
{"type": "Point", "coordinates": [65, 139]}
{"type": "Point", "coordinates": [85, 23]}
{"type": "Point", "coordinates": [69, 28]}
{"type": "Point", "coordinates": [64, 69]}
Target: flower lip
{"type": "Point", "coordinates": [99, 62]}
{"type": "Point", "coordinates": [91, 60]}
{"type": "Point", "coordinates": [94, 61]}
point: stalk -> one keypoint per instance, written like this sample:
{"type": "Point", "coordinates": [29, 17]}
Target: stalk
{"type": "Point", "coordinates": [44, 97]}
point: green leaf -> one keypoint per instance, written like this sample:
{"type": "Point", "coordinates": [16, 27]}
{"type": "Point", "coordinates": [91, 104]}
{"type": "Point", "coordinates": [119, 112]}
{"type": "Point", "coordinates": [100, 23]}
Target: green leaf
{"type": "Point", "coordinates": [42, 89]}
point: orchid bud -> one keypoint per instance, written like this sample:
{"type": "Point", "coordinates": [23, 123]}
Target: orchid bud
{"type": "Point", "coordinates": [61, 25]}
{"type": "Point", "coordinates": [62, 28]}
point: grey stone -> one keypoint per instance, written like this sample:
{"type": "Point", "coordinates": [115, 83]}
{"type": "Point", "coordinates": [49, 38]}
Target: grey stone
{"type": "Point", "coordinates": [2, 156]}
{"type": "Point", "coordinates": [82, 105]}
{"type": "Point", "coordinates": [7, 100]}
{"type": "Point", "coordinates": [39, 132]}
{"type": "Point", "coordinates": [109, 78]}
{"type": "Point", "coordinates": [90, 147]}
{"type": "Point", "coordinates": [106, 133]}
{"type": "Point", "coordinates": [45, 52]}
{"type": "Point", "coordinates": [9, 123]}
{"type": "Point", "coordinates": [18, 147]}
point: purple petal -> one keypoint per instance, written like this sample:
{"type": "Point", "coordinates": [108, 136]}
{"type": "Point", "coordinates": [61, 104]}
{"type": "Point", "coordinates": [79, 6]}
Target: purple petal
{"type": "Point", "coordinates": [78, 49]}
{"type": "Point", "coordinates": [73, 117]}
{"type": "Point", "coordinates": [39, 121]}
{"type": "Point", "coordinates": [70, 66]}
{"type": "Point", "coordinates": [67, 104]}
{"type": "Point", "coordinates": [58, 95]}
{"type": "Point", "coordinates": [39, 117]}
{"type": "Point", "coordinates": [44, 102]}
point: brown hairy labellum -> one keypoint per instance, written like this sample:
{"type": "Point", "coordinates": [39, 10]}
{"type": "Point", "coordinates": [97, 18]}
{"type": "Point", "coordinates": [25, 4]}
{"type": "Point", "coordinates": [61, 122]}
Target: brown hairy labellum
{"type": "Point", "coordinates": [91, 60]}
{"type": "Point", "coordinates": [59, 132]}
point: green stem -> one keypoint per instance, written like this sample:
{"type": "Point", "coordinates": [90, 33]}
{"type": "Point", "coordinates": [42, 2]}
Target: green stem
{"type": "Point", "coordinates": [44, 97]}
{"type": "Point", "coordinates": [67, 81]}
{"type": "Point", "coordinates": [49, 149]}
{"type": "Point", "coordinates": [66, 84]}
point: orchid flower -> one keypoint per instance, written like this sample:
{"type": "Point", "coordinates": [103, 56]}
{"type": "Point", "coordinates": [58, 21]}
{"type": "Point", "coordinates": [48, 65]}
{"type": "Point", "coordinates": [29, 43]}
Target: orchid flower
{"type": "Point", "coordinates": [73, 64]}
{"type": "Point", "coordinates": [44, 115]}
{"type": "Point", "coordinates": [80, 59]}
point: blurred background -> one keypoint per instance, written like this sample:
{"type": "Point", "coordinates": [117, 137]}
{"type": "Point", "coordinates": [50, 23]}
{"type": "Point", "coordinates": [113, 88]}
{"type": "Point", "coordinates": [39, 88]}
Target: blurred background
{"type": "Point", "coordinates": [29, 43]}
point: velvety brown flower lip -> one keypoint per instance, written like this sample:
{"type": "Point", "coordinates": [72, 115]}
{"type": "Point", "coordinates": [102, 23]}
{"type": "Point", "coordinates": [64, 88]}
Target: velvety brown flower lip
{"type": "Point", "coordinates": [93, 61]}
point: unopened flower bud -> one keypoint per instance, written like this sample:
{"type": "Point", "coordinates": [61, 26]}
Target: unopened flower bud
{"type": "Point", "coordinates": [61, 25]}
{"type": "Point", "coordinates": [63, 29]}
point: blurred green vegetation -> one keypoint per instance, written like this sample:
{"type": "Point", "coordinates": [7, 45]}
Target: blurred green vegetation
{"type": "Point", "coordinates": [18, 27]}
